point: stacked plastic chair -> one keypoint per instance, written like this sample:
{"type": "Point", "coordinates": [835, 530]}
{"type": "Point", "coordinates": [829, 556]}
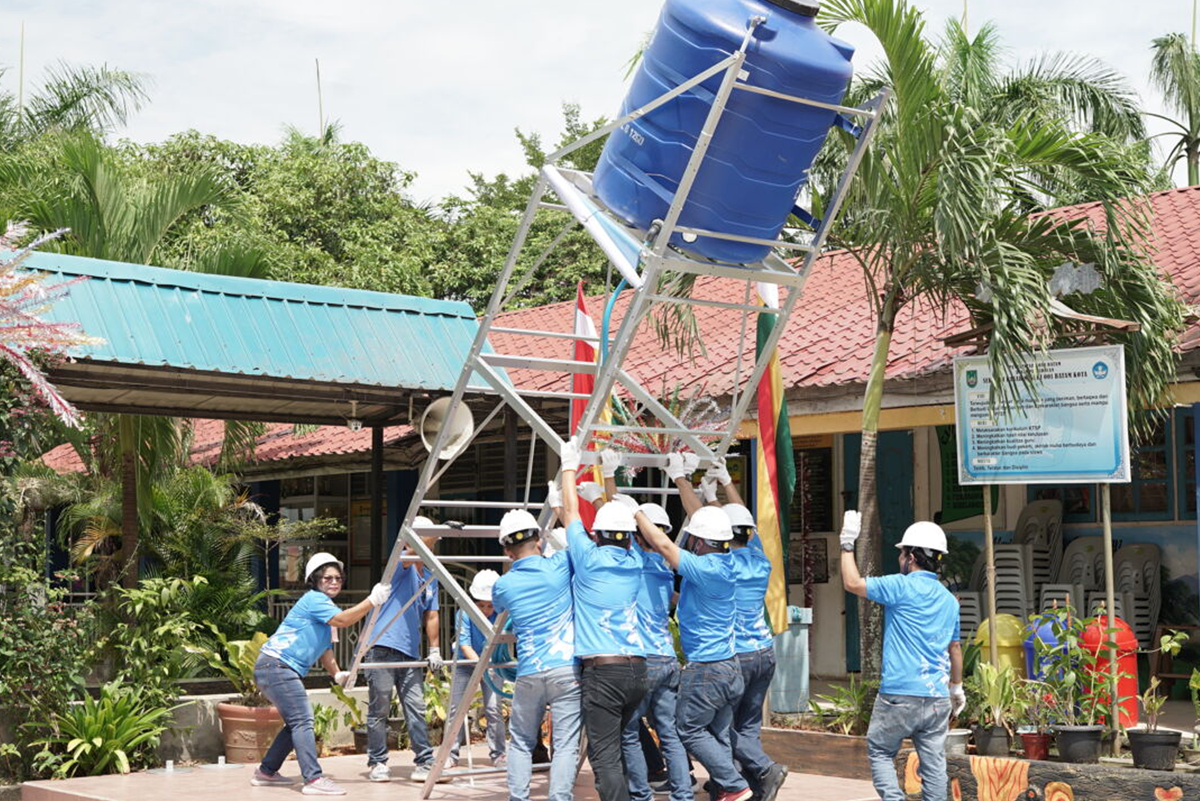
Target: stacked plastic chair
{"type": "Point", "coordinates": [1137, 568]}
{"type": "Point", "coordinates": [970, 613]}
{"type": "Point", "coordinates": [1014, 579]}
{"type": "Point", "coordinates": [1040, 526]}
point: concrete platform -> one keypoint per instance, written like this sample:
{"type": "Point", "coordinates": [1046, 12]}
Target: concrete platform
{"type": "Point", "coordinates": [351, 772]}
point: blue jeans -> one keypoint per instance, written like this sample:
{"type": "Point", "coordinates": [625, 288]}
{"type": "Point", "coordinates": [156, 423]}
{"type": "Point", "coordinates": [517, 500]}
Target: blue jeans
{"type": "Point", "coordinates": [758, 668]}
{"type": "Point", "coordinates": [925, 721]}
{"type": "Point", "coordinates": [491, 711]}
{"type": "Point", "coordinates": [558, 689]}
{"type": "Point", "coordinates": [662, 692]}
{"type": "Point", "coordinates": [283, 687]}
{"type": "Point", "coordinates": [708, 692]}
{"type": "Point", "coordinates": [410, 684]}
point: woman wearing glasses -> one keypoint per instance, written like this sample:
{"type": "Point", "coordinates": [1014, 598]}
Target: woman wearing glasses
{"type": "Point", "coordinates": [301, 640]}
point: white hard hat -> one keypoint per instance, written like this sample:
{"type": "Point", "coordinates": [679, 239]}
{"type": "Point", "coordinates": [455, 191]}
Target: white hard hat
{"type": "Point", "coordinates": [710, 523]}
{"type": "Point", "coordinates": [318, 561]}
{"type": "Point", "coordinates": [626, 501]}
{"type": "Point", "coordinates": [924, 534]}
{"type": "Point", "coordinates": [614, 518]}
{"type": "Point", "coordinates": [421, 521]}
{"type": "Point", "coordinates": [658, 516]}
{"type": "Point", "coordinates": [739, 516]}
{"type": "Point", "coordinates": [514, 522]}
{"type": "Point", "coordinates": [481, 585]}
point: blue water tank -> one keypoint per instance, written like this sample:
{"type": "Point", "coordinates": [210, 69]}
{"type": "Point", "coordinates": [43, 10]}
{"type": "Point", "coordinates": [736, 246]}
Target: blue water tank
{"type": "Point", "coordinates": [762, 149]}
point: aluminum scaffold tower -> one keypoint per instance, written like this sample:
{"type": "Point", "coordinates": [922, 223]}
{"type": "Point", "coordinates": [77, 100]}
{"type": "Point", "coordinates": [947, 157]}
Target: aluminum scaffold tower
{"type": "Point", "coordinates": [644, 259]}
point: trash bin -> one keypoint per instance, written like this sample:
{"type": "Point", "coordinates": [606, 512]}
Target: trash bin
{"type": "Point", "coordinates": [789, 688]}
{"type": "Point", "coordinates": [1010, 643]}
{"type": "Point", "coordinates": [1045, 633]}
{"type": "Point", "coordinates": [1127, 685]}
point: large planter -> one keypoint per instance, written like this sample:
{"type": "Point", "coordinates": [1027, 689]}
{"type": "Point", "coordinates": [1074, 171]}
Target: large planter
{"type": "Point", "coordinates": [1154, 750]}
{"type": "Point", "coordinates": [991, 741]}
{"type": "Point", "coordinates": [248, 731]}
{"type": "Point", "coordinates": [1078, 744]}
{"type": "Point", "coordinates": [1037, 744]}
{"type": "Point", "coordinates": [956, 741]}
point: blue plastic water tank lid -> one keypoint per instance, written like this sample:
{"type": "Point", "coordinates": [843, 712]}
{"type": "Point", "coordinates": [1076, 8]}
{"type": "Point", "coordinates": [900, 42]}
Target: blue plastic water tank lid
{"type": "Point", "coordinates": [808, 9]}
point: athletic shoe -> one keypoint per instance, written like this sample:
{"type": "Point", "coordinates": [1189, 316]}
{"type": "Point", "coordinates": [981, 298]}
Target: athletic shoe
{"type": "Point", "coordinates": [379, 773]}
{"type": "Point", "coordinates": [500, 762]}
{"type": "Point", "coordinates": [322, 785]}
{"type": "Point", "coordinates": [263, 779]}
{"type": "Point", "coordinates": [420, 773]}
{"type": "Point", "coordinates": [773, 780]}
{"type": "Point", "coordinates": [736, 795]}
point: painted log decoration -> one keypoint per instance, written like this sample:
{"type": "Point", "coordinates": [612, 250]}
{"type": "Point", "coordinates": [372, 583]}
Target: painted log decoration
{"type": "Point", "coordinates": [912, 778]}
{"type": "Point", "coordinates": [973, 778]}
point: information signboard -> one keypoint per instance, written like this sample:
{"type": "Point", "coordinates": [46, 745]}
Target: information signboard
{"type": "Point", "coordinates": [1072, 428]}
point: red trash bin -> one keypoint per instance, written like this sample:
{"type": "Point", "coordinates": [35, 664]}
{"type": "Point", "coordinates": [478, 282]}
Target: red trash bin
{"type": "Point", "coordinates": [1127, 685]}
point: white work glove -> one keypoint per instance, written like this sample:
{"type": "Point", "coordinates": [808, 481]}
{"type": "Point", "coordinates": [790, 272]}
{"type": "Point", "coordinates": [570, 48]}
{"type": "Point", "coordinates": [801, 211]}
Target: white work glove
{"type": "Point", "coordinates": [590, 491]}
{"type": "Point", "coordinates": [609, 462]}
{"type": "Point", "coordinates": [675, 468]}
{"type": "Point", "coordinates": [958, 699]}
{"type": "Point", "coordinates": [708, 489]}
{"type": "Point", "coordinates": [720, 472]}
{"type": "Point", "coordinates": [851, 528]}
{"type": "Point", "coordinates": [554, 496]}
{"type": "Point", "coordinates": [379, 594]}
{"type": "Point", "coordinates": [691, 463]}
{"type": "Point", "coordinates": [434, 659]}
{"type": "Point", "coordinates": [569, 456]}
{"type": "Point", "coordinates": [554, 541]}
{"type": "Point", "coordinates": [341, 677]}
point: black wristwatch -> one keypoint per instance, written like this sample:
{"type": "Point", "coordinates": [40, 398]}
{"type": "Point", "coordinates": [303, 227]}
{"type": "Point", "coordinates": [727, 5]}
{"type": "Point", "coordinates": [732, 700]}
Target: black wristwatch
{"type": "Point", "coordinates": [848, 547]}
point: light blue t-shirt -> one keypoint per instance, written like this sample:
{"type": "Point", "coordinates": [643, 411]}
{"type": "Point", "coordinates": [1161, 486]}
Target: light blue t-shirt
{"type": "Point", "coordinates": [305, 633]}
{"type": "Point", "coordinates": [468, 633]}
{"type": "Point", "coordinates": [405, 634]}
{"type": "Point", "coordinates": [920, 619]}
{"type": "Point", "coordinates": [706, 606]}
{"type": "Point", "coordinates": [536, 591]}
{"type": "Point", "coordinates": [654, 604]}
{"type": "Point", "coordinates": [752, 573]}
{"type": "Point", "coordinates": [606, 584]}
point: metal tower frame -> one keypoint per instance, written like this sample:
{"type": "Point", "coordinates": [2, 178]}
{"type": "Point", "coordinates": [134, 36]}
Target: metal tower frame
{"type": "Point", "coordinates": [656, 260]}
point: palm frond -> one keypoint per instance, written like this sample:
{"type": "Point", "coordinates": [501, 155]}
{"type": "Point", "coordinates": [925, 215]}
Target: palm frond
{"type": "Point", "coordinates": [83, 98]}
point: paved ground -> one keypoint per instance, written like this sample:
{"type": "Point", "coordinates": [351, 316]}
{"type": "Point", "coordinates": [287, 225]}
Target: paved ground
{"type": "Point", "coordinates": [351, 772]}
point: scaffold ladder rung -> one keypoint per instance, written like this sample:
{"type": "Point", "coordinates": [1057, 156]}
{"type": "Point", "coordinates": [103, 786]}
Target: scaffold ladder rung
{"type": "Point", "coordinates": [535, 363]}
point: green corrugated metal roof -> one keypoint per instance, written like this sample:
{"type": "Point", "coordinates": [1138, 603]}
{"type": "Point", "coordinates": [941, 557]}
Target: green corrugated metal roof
{"type": "Point", "coordinates": [171, 318]}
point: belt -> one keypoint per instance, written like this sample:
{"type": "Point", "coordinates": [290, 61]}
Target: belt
{"type": "Point", "coordinates": [593, 661]}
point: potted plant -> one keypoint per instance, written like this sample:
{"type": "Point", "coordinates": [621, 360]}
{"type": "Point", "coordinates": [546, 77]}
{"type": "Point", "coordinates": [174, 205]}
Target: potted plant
{"type": "Point", "coordinates": [1154, 749]}
{"type": "Point", "coordinates": [997, 696]}
{"type": "Point", "coordinates": [1078, 689]}
{"type": "Point", "coordinates": [249, 723]}
{"type": "Point", "coordinates": [324, 722]}
{"type": "Point", "coordinates": [1035, 705]}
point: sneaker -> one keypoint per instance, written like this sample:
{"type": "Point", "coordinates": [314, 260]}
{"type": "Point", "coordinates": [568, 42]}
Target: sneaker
{"type": "Point", "coordinates": [322, 785]}
{"type": "Point", "coordinates": [263, 779]}
{"type": "Point", "coordinates": [500, 762]}
{"type": "Point", "coordinates": [420, 773]}
{"type": "Point", "coordinates": [379, 773]}
{"type": "Point", "coordinates": [662, 787]}
{"type": "Point", "coordinates": [736, 795]}
{"type": "Point", "coordinates": [772, 781]}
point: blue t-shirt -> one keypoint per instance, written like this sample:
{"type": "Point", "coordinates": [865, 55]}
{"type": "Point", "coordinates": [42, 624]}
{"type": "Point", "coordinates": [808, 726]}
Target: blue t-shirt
{"type": "Point", "coordinates": [606, 585]}
{"type": "Point", "coordinates": [468, 633]}
{"type": "Point", "coordinates": [305, 633]}
{"type": "Point", "coordinates": [752, 572]}
{"type": "Point", "coordinates": [405, 634]}
{"type": "Point", "coordinates": [706, 606]}
{"type": "Point", "coordinates": [920, 620]}
{"type": "Point", "coordinates": [536, 591]}
{"type": "Point", "coordinates": [654, 604]}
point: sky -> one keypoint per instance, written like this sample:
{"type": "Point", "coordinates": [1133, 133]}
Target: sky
{"type": "Point", "coordinates": [440, 87]}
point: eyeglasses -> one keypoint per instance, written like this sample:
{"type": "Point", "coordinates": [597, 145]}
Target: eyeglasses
{"type": "Point", "coordinates": [332, 579]}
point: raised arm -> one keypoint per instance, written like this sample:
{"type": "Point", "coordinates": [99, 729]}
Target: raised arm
{"type": "Point", "coordinates": [721, 473]}
{"type": "Point", "coordinates": [570, 466]}
{"type": "Point", "coordinates": [658, 540]}
{"type": "Point", "coordinates": [852, 581]}
{"type": "Point", "coordinates": [680, 467]}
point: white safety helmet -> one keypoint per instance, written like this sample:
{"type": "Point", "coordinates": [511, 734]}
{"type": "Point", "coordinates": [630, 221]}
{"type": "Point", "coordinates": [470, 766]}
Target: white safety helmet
{"type": "Point", "coordinates": [658, 516]}
{"type": "Point", "coordinates": [614, 521]}
{"type": "Point", "coordinates": [481, 585]}
{"type": "Point", "coordinates": [421, 521]}
{"type": "Point", "coordinates": [626, 501]}
{"type": "Point", "coordinates": [924, 534]}
{"type": "Point", "coordinates": [710, 523]}
{"type": "Point", "coordinates": [517, 525]}
{"type": "Point", "coordinates": [318, 561]}
{"type": "Point", "coordinates": [739, 516]}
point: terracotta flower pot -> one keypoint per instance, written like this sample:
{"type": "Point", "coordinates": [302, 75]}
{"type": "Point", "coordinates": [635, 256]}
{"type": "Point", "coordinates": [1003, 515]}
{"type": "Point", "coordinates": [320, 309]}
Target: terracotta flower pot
{"type": "Point", "coordinates": [248, 731]}
{"type": "Point", "coordinates": [1037, 744]}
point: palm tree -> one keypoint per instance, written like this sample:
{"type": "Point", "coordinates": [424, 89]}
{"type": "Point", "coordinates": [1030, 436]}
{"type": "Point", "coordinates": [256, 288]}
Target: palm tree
{"type": "Point", "coordinates": [939, 213]}
{"type": "Point", "coordinates": [113, 214]}
{"type": "Point", "coordinates": [1175, 70]}
{"type": "Point", "coordinates": [95, 99]}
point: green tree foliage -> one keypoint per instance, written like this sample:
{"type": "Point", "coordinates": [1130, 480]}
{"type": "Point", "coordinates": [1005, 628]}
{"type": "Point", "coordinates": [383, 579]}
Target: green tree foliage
{"type": "Point", "coordinates": [95, 99]}
{"type": "Point", "coordinates": [1175, 70]}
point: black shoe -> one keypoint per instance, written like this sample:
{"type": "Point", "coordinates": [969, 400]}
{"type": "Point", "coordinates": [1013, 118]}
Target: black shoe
{"type": "Point", "coordinates": [661, 787]}
{"type": "Point", "coordinates": [772, 781]}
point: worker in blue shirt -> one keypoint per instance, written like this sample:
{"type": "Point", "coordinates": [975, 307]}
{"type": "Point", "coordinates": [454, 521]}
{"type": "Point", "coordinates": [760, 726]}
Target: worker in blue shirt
{"type": "Point", "coordinates": [536, 593]}
{"type": "Point", "coordinates": [607, 578]}
{"type": "Point", "coordinates": [398, 639]}
{"type": "Point", "coordinates": [468, 646]}
{"type": "Point", "coordinates": [753, 640]}
{"type": "Point", "coordinates": [921, 684]}
{"type": "Point", "coordinates": [711, 683]}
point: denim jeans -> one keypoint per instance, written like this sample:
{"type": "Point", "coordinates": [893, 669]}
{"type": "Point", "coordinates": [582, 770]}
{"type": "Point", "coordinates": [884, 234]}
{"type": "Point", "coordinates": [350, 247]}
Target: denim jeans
{"type": "Point", "coordinates": [758, 667]}
{"type": "Point", "coordinates": [410, 684]}
{"type": "Point", "coordinates": [708, 692]}
{"type": "Point", "coordinates": [611, 696]}
{"type": "Point", "coordinates": [491, 711]}
{"type": "Point", "coordinates": [662, 692]}
{"type": "Point", "coordinates": [557, 689]}
{"type": "Point", "coordinates": [925, 720]}
{"type": "Point", "coordinates": [283, 687]}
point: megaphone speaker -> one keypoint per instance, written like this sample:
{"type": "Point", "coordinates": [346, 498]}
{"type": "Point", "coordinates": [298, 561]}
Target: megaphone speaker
{"type": "Point", "coordinates": [460, 427]}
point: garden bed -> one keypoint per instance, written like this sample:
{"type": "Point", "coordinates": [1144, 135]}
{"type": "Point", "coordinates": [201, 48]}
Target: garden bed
{"type": "Point", "coordinates": [973, 778]}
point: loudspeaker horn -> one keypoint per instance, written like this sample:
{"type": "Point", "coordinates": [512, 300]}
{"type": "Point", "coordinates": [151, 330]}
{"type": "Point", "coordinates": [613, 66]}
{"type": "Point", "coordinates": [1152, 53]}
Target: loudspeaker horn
{"type": "Point", "coordinates": [461, 427]}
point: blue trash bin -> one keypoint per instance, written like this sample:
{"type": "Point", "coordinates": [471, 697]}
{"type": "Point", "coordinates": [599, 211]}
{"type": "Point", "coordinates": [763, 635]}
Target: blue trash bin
{"type": "Point", "coordinates": [1035, 668]}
